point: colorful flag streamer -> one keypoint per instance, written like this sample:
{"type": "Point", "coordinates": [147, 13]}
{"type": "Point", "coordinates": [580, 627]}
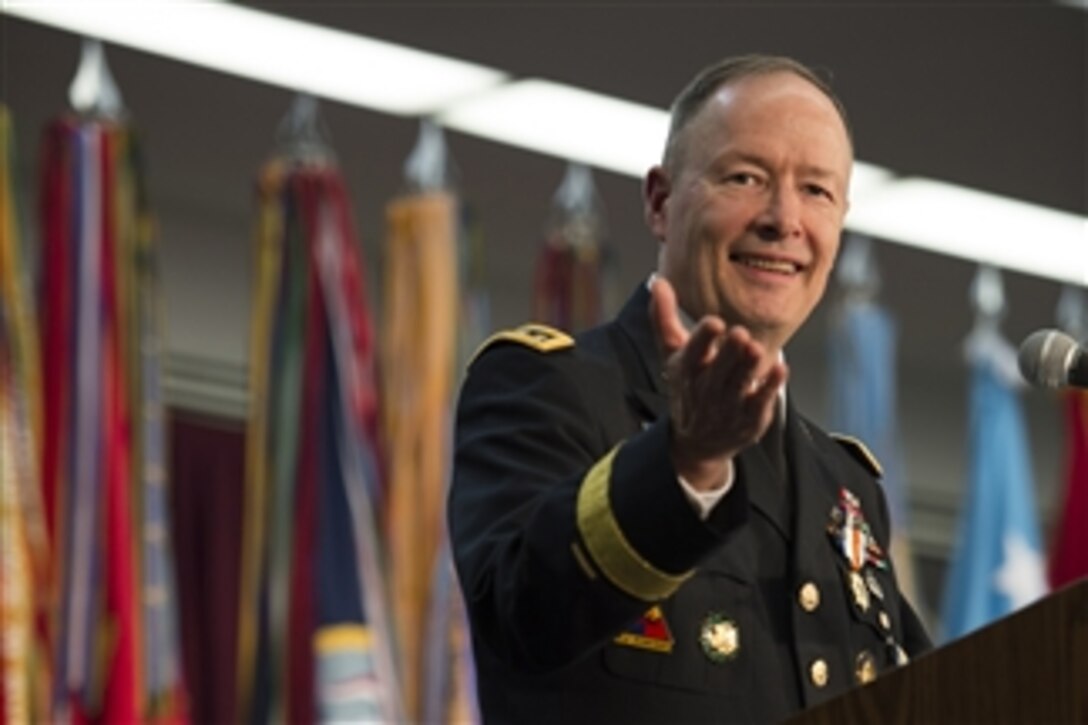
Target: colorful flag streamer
{"type": "Point", "coordinates": [24, 552]}
{"type": "Point", "coordinates": [103, 471]}
{"type": "Point", "coordinates": [418, 353]}
{"type": "Point", "coordinates": [448, 671]}
{"type": "Point", "coordinates": [449, 675]}
{"type": "Point", "coordinates": [1069, 555]}
{"type": "Point", "coordinates": [315, 638]}
{"type": "Point", "coordinates": [573, 271]}
{"type": "Point", "coordinates": [997, 565]}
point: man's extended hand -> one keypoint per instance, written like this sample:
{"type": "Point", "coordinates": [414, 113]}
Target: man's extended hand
{"type": "Point", "coordinates": [722, 386]}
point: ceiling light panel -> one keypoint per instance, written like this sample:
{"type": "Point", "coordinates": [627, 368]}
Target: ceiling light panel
{"type": "Point", "coordinates": [867, 178]}
{"type": "Point", "coordinates": [567, 122]}
{"type": "Point", "coordinates": [977, 226]}
{"type": "Point", "coordinates": [273, 49]}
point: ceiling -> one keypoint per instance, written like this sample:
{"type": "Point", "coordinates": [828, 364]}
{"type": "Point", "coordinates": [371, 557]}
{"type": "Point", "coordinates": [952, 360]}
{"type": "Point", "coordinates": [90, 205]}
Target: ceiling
{"type": "Point", "coordinates": [992, 96]}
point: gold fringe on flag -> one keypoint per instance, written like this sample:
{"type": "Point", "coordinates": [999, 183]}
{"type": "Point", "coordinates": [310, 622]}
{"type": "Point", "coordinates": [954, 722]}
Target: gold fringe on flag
{"type": "Point", "coordinates": [268, 251]}
{"type": "Point", "coordinates": [24, 666]}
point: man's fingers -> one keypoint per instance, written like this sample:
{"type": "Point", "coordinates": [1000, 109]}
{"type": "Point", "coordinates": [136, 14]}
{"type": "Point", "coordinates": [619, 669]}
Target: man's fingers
{"type": "Point", "coordinates": [665, 314]}
{"type": "Point", "coordinates": [766, 378]}
{"type": "Point", "coordinates": [703, 343]}
{"type": "Point", "coordinates": [751, 376]}
{"type": "Point", "coordinates": [763, 397]}
{"type": "Point", "coordinates": [765, 387]}
{"type": "Point", "coordinates": [742, 362]}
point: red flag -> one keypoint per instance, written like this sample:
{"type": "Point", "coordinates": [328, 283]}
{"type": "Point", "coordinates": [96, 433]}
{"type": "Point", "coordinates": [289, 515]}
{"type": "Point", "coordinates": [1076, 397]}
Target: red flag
{"type": "Point", "coordinates": [1069, 557]}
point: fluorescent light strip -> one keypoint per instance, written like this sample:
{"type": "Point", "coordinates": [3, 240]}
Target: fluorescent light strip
{"type": "Point", "coordinates": [866, 179]}
{"type": "Point", "coordinates": [272, 49]}
{"type": "Point", "coordinates": [567, 122]}
{"type": "Point", "coordinates": [977, 226]}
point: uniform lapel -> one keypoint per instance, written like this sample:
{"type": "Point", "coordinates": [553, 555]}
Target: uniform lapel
{"type": "Point", "coordinates": [764, 492]}
{"type": "Point", "coordinates": [817, 483]}
{"type": "Point", "coordinates": [637, 351]}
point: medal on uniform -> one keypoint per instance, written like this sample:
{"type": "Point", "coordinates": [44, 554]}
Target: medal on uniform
{"type": "Point", "coordinates": [884, 619]}
{"type": "Point", "coordinates": [859, 591]}
{"type": "Point", "coordinates": [874, 585]}
{"type": "Point", "coordinates": [719, 637]}
{"type": "Point", "coordinates": [874, 554]}
{"type": "Point", "coordinates": [849, 531]}
{"type": "Point", "coordinates": [865, 667]}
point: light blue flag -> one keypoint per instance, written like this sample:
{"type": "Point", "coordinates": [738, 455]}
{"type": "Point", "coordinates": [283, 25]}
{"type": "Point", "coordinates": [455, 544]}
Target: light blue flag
{"type": "Point", "coordinates": [863, 405]}
{"type": "Point", "coordinates": [997, 565]}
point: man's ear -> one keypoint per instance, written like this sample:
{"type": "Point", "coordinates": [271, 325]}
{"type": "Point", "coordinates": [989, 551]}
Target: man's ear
{"type": "Point", "coordinates": [656, 188]}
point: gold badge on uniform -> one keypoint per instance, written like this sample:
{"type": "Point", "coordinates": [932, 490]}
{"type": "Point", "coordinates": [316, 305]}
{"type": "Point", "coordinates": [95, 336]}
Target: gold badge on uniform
{"type": "Point", "coordinates": [865, 667]}
{"type": "Point", "coordinates": [719, 637]}
{"type": "Point", "coordinates": [859, 591]}
{"type": "Point", "coordinates": [648, 632]}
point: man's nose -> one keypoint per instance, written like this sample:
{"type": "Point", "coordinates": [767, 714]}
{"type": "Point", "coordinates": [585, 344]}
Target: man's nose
{"type": "Point", "coordinates": [781, 217]}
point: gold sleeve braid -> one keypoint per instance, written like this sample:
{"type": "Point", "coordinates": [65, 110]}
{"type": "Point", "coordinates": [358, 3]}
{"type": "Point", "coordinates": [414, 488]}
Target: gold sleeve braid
{"type": "Point", "coordinates": [606, 544]}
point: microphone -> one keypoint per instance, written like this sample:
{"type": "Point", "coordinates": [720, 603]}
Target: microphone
{"type": "Point", "coordinates": [1052, 359]}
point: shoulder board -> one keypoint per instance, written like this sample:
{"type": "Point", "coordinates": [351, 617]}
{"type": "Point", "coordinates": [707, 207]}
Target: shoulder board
{"type": "Point", "coordinates": [541, 338]}
{"type": "Point", "coordinates": [860, 453]}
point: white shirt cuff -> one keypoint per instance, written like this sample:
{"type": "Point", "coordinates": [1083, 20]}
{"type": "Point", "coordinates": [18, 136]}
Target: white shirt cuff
{"type": "Point", "coordinates": [705, 501]}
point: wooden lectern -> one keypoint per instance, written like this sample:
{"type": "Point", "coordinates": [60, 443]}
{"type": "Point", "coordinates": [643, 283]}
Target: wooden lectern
{"type": "Point", "coordinates": [1031, 667]}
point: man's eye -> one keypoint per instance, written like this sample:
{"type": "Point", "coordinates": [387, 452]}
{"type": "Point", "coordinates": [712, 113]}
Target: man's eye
{"type": "Point", "coordinates": [817, 190]}
{"type": "Point", "coordinates": [742, 178]}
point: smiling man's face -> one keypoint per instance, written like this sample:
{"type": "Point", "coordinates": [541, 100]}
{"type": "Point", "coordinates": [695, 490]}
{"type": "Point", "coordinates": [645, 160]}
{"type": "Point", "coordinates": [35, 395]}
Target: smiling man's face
{"type": "Point", "coordinates": [751, 206]}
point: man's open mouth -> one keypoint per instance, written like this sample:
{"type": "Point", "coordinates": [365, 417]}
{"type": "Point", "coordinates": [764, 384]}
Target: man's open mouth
{"type": "Point", "coordinates": [781, 266]}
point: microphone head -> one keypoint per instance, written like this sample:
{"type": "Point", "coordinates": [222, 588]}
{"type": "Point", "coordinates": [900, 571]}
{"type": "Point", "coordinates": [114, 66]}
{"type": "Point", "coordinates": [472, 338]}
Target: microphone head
{"type": "Point", "coordinates": [1045, 358]}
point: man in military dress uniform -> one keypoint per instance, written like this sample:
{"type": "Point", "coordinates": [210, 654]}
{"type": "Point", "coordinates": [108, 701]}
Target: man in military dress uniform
{"type": "Point", "coordinates": [645, 528]}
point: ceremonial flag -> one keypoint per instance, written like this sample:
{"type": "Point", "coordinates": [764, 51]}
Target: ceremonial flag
{"type": "Point", "coordinates": [862, 364]}
{"type": "Point", "coordinates": [449, 675]}
{"type": "Point", "coordinates": [315, 641]}
{"type": "Point", "coordinates": [573, 272]}
{"type": "Point", "coordinates": [448, 672]}
{"type": "Point", "coordinates": [24, 572]}
{"type": "Point", "coordinates": [1069, 556]}
{"type": "Point", "coordinates": [418, 354]}
{"type": "Point", "coordinates": [104, 481]}
{"type": "Point", "coordinates": [997, 564]}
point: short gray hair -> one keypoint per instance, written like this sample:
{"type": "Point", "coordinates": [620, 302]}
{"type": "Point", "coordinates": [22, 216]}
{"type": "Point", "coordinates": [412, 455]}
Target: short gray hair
{"type": "Point", "coordinates": [729, 70]}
